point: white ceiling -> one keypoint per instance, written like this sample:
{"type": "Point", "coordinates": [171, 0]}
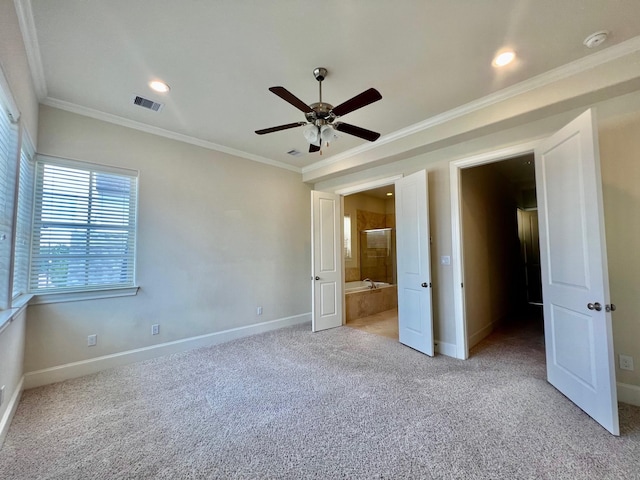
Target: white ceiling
{"type": "Point", "coordinates": [424, 56]}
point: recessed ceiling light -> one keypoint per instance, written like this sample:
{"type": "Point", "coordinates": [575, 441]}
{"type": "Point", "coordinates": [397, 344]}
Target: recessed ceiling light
{"type": "Point", "coordinates": [504, 58]}
{"type": "Point", "coordinates": [159, 86]}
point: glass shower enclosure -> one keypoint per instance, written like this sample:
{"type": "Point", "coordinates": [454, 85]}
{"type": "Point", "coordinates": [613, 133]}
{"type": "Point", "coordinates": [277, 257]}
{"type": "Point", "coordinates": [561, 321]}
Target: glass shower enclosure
{"type": "Point", "coordinates": [378, 255]}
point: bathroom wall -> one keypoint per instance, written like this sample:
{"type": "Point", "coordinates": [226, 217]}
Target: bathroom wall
{"type": "Point", "coordinates": [352, 204]}
{"type": "Point", "coordinates": [369, 212]}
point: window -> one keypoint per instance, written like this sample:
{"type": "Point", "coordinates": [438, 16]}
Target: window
{"type": "Point", "coordinates": [23, 220]}
{"type": "Point", "coordinates": [84, 227]}
{"type": "Point", "coordinates": [347, 236]}
{"type": "Point", "coordinates": [8, 167]}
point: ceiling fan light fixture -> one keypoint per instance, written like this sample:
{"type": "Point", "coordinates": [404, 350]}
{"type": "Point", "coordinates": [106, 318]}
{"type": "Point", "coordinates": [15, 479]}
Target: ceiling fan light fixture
{"type": "Point", "coordinates": [312, 134]}
{"type": "Point", "coordinates": [327, 133]}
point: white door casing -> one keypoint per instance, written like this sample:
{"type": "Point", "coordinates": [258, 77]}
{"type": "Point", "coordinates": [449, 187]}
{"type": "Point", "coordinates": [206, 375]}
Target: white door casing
{"type": "Point", "coordinates": [326, 268]}
{"type": "Point", "coordinates": [414, 263]}
{"type": "Point", "coordinates": [577, 323]}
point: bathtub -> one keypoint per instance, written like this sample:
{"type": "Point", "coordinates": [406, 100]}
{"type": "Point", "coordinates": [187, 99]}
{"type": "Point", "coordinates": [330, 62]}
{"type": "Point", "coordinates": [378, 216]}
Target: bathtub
{"type": "Point", "coordinates": [350, 287]}
{"type": "Point", "coordinates": [362, 301]}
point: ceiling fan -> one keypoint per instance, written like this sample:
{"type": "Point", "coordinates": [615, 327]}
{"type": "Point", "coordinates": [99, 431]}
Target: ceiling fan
{"type": "Point", "coordinates": [321, 125]}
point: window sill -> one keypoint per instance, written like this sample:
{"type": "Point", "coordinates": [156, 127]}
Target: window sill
{"type": "Point", "coordinates": [7, 316]}
{"type": "Point", "coordinates": [43, 298]}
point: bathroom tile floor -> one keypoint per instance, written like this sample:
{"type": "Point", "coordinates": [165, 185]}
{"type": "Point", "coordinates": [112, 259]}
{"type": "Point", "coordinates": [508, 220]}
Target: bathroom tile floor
{"type": "Point", "coordinates": [383, 323]}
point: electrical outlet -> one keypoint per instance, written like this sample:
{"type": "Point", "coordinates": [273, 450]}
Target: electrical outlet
{"type": "Point", "coordinates": [92, 340]}
{"type": "Point", "coordinates": [155, 329]}
{"type": "Point", "coordinates": [626, 362]}
{"type": "Point", "coordinates": [259, 311]}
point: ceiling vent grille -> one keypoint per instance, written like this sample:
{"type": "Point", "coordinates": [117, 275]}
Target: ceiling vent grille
{"type": "Point", "coordinates": [146, 103]}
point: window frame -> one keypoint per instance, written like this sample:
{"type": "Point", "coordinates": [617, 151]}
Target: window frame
{"type": "Point", "coordinates": [23, 217]}
{"type": "Point", "coordinates": [92, 291]}
{"type": "Point", "coordinates": [9, 308]}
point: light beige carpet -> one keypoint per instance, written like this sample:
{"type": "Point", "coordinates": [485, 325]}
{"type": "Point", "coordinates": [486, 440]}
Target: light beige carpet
{"type": "Point", "coordinates": [336, 404]}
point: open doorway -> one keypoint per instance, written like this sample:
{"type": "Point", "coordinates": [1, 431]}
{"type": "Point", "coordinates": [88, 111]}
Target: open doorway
{"type": "Point", "coordinates": [501, 261]}
{"type": "Point", "coordinates": [371, 295]}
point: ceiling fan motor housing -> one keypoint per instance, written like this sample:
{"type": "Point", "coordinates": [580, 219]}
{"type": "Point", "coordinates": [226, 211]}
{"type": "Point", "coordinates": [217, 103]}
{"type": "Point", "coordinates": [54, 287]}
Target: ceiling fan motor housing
{"type": "Point", "coordinates": [321, 113]}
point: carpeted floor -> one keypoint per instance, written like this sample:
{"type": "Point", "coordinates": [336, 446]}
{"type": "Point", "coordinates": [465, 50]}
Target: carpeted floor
{"type": "Point", "coordinates": [336, 404]}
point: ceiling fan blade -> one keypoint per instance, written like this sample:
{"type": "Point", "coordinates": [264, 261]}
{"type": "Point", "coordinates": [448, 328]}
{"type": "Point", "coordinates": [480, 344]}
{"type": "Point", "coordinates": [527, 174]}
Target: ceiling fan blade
{"type": "Point", "coordinates": [356, 131]}
{"type": "Point", "coordinates": [287, 96]}
{"type": "Point", "coordinates": [313, 148]}
{"type": "Point", "coordinates": [359, 101]}
{"type": "Point", "coordinates": [280, 127]}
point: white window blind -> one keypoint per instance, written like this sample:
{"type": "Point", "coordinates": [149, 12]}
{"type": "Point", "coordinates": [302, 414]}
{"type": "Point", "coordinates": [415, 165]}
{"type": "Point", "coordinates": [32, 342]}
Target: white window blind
{"type": "Point", "coordinates": [84, 227]}
{"type": "Point", "coordinates": [8, 164]}
{"type": "Point", "coordinates": [23, 221]}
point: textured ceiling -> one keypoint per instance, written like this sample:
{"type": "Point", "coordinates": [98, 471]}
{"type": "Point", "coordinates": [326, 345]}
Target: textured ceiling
{"type": "Point", "coordinates": [424, 56]}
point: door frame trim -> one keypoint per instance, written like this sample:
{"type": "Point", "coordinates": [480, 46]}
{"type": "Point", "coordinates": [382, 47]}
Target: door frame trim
{"type": "Point", "coordinates": [359, 187]}
{"type": "Point", "coordinates": [363, 187]}
{"type": "Point", "coordinates": [455, 167]}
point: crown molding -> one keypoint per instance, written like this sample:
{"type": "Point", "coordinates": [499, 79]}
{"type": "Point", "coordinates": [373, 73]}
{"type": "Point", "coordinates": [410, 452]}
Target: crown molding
{"type": "Point", "coordinates": [560, 73]}
{"type": "Point", "coordinates": [31, 45]}
{"type": "Point", "coordinates": [125, 122]}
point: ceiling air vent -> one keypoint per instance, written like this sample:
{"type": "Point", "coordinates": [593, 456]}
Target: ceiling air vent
{"type": "Point", "coordinates": [146, 103]}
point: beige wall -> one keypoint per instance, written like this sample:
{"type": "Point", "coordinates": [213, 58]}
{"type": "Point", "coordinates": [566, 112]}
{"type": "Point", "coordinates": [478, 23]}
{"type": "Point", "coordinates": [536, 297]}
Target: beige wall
{"type": "Point", "coordinates": [217, 236]}
{"type": "Point", "coordinates": [491, 249]}
{"type": "Point", "coordinates": [620, 165]}
{"type": "Point", "coordinates": [14, 65]}
{"type": "Point", "coordinates": [619, 120]}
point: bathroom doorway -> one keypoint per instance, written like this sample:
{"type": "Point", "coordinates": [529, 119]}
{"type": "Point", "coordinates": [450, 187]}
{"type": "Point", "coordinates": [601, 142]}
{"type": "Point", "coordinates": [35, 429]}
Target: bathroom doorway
{"type": "Point", "coordinates": [371, 295]}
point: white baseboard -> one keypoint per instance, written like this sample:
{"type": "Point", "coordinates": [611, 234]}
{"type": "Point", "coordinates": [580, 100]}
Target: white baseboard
{"type": "Point", "coordinates": [628, 394]}
{"type": "Point", "coordinates": [86, 367]}
{"type": "Point", "coordinates": [482, 334]}
{"type": "Point", "coordinates": [448, 349]}
{"type": "Point", "coordinates": [5, 422]}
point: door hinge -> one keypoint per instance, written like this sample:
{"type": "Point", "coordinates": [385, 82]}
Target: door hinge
{"type": "Point", "coordinates": [462, 285]}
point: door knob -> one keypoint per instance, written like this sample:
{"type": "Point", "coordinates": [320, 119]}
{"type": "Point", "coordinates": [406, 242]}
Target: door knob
{"type": "Point", "coordinates": [424, 285]}
{"type": "Point", "coordinates": [317, 278]}
{"type": "Point", "coordinates": [594, 306]}
{"type": "Point", "coordinates": [610, 308]}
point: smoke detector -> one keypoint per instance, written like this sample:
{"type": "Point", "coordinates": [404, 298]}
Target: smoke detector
{"type": "Point", "coordinates": [596, 39]}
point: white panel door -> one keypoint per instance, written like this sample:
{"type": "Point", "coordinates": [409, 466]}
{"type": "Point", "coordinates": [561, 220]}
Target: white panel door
{"type": "Point", "coordinates": [414, 263]}
{"type": "Point", "coordinates": [326, 252]}
{"type": "Point", "coordinates": [577, 323]}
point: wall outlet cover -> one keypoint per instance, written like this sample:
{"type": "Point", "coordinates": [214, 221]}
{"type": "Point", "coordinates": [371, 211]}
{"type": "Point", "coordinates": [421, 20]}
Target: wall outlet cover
{"type": "Point", "coordinates": [625, 362]}
{"type": "Point", "coordinates": [92, 340]}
